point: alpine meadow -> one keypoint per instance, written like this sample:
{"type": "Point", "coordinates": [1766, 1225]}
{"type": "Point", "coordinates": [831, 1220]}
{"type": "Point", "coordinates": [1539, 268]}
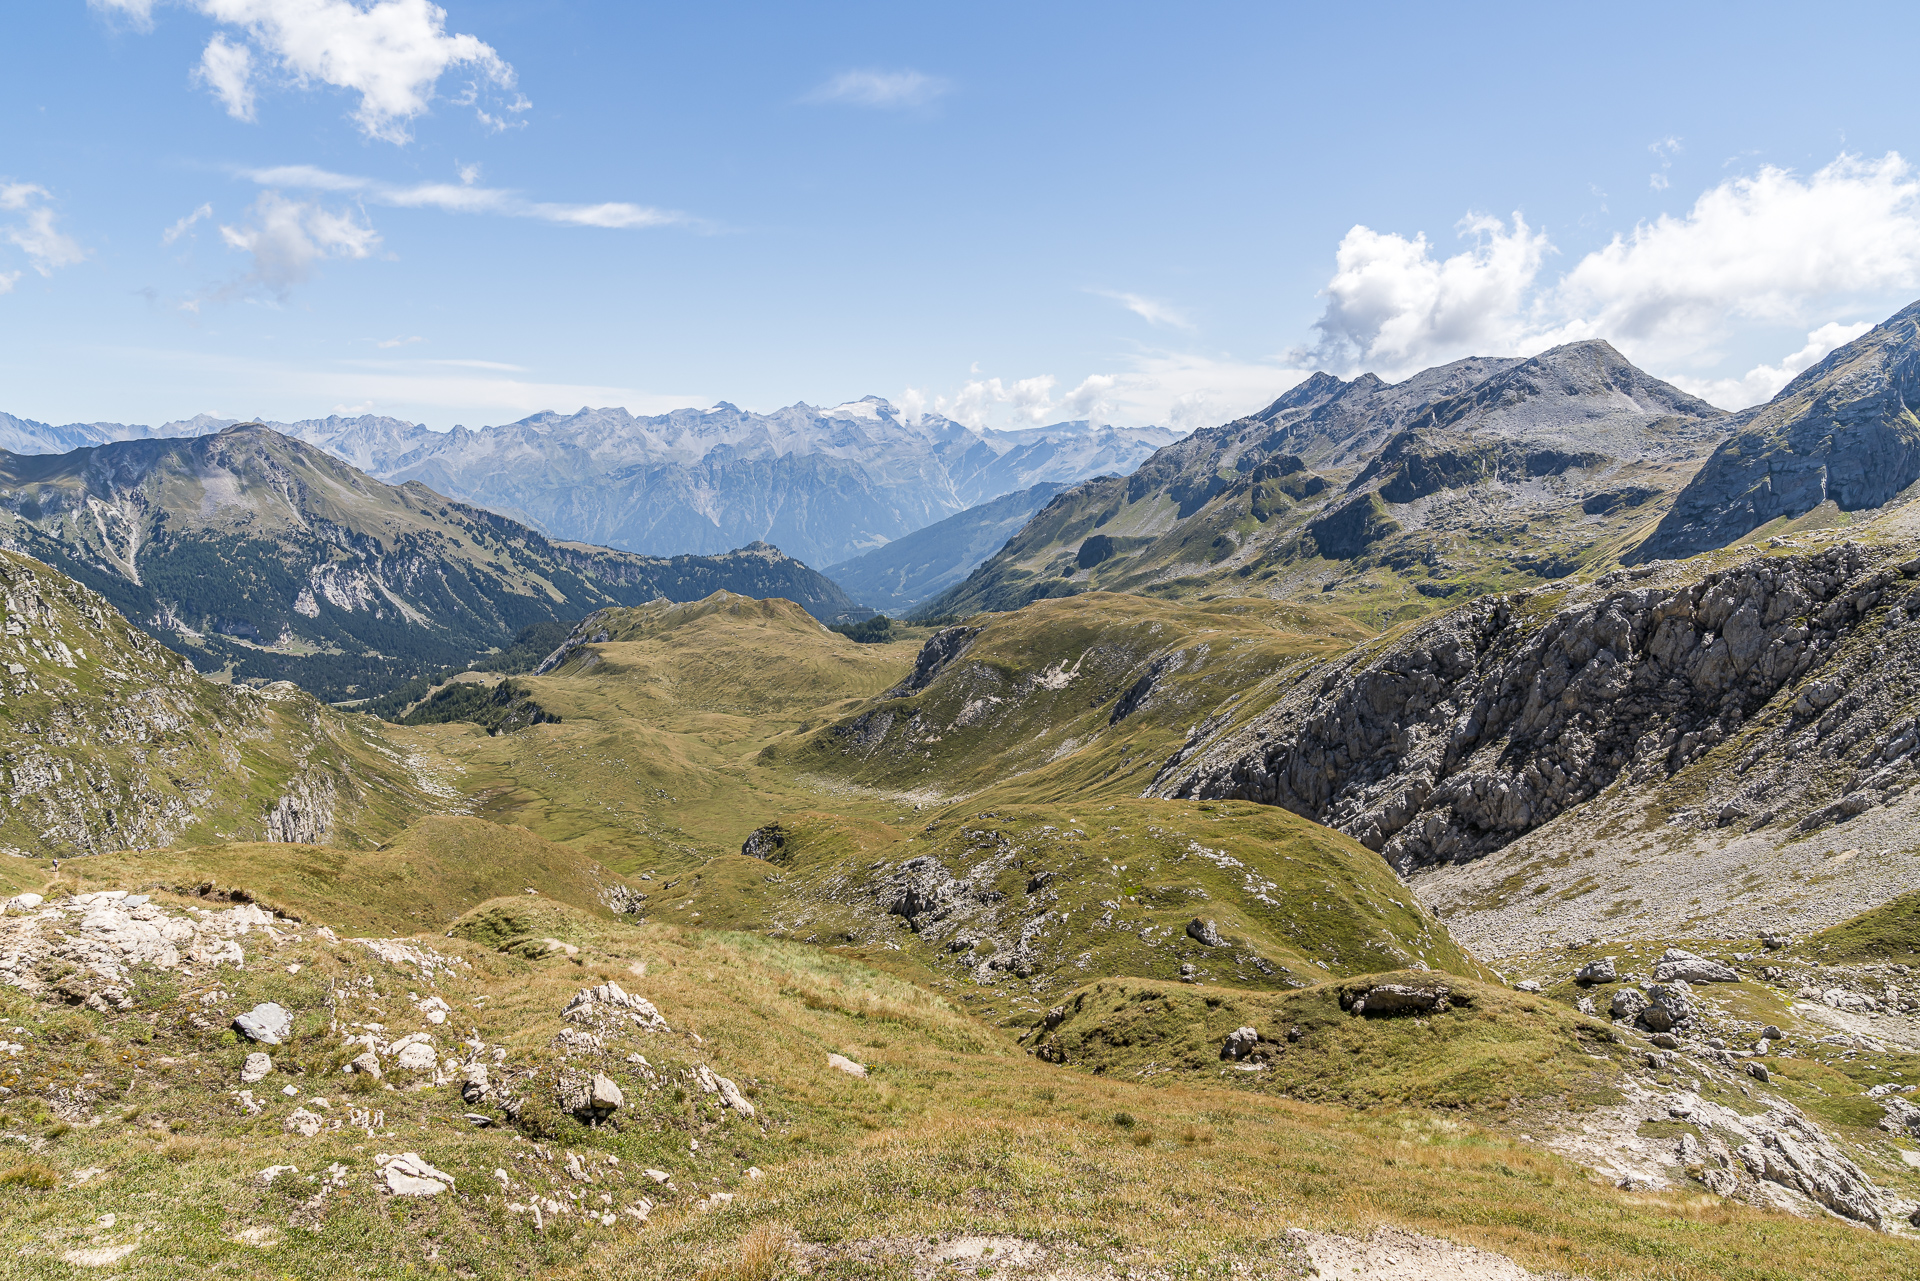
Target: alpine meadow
{"type": "Point", "coordinates": [1085, 644]}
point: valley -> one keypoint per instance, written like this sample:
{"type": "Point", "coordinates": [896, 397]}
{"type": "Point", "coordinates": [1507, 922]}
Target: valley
{"type": "Point", "coordinates": [1341, 838]}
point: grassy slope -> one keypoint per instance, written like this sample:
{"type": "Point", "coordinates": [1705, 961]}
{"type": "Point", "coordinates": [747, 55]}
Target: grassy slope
{"type": "Point", "coordinates": [954, 1132]}
{"type": "Point", "coordinates": [425, 878]}
{"type": "Point", "coordinates": [1030, 706]}
{"type": "Point", "coordinates": [1295, 902]}
{"type": "Point", "coordinates": [651, 765]}
{"type": "Point", "coordinates": [125, 745]}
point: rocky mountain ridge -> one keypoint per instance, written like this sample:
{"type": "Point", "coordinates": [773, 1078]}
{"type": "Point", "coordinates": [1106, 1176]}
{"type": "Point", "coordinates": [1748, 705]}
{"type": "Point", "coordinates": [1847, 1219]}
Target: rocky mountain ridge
{"type": "Point", "coordinates": [1482, 474]}
{"type": "Point", "coordinates": [275, 559]}
{"type": "Point", "coordinates": [1481, 725]}
{"type": "Point", "coordinates": [1845, 431]}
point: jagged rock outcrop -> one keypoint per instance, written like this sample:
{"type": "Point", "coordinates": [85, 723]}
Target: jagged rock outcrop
{"type": "Point", "coordinates": [1492, 720]}
{"type": "Point", "coordinates": [1844, 431]}
{"type": "Point", "coordinates": [942, 650]}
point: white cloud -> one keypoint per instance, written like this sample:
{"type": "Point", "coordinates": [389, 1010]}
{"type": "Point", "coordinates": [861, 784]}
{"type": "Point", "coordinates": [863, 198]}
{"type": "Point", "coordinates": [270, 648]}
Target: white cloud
{"type": "Point", "coordinates": [1664, 151]}
{"type": "Point", "coordinates": [138, 12]}
{"type": "Point", "coordinates": [181, 228]}
{"type": "Point", "coordinates": [1766, 249]}
{"type": "Point", "coordinates": [33, 232]}
{"type": "Point", "coordinates": [8, 279]}
{"type": "Point", "coordinates": [287, 237]}
{"type": "Point", "coordinates": [391, 53]}
{"type": "Point", "coordinates": [1150, 310]}
{"type": "Point", "coordinates": [978, 402]}
{"type": "Point", "coordinates": [1391, 302]}
{"type": "Point", "coordinates": [1173, 389]}
{"type": "Point", "coordinates": [398, 342]}
{"type": "Point", "coordinates": [883, 89]}
{"type": "Point", "coordinates": [227, 70]}
{"type": "Point", "coordinates": [1763, 382]}
{"type": "Point", "coordinates": [468, 197]}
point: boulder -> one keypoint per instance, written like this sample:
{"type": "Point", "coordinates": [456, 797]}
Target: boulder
{"type": "Point", "coordinates": [1627, 1004]}
{"type": "Point", "coordinates": [368, 1063]}
{"type": "Point", "coordinates": [1239, 1044]}
{"type": "Point", "coordinates": [608, 1002]}
{"type": "Point", "coordinates": [1758, 1071]}
{"type": "Point", "coordinates": [417, 1057]}
{"type": "Point", "coordinates": [268, 1024]}
{"type": "Point", "coordinates": [1597, 971]}
{"type": "Point", "coordinates": [1527, 985]}
{"type": "Point", "coordinates": [1205, 933]}
{"type": "Point", "coordinates": [258, 1067]}
{"type": "Point", "coordinates": [473, 1082]}
{"type": "Point", "coordinates": [304, 1123]}
{"type": "Point", "coordinates": [1678, 965]}
{"type": "Point", "coordinates": [1668, 1005]}
{"type": "Point", "coordinates": [1399, 998]}
{"type": "Point", "coordinates": [606, 1094]}
{"type": "Point", "coordinates": [841, 1063]}
{"type": "Point", "coordinates": [406, 1174]}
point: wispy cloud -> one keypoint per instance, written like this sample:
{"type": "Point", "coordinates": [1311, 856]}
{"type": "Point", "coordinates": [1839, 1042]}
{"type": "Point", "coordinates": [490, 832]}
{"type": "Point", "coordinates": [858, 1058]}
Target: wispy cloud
{"type": "Point", "coordinates": [397, 342]}
{"type": "Point", "coordinates": [881, 89]}
{"type": "Point", "coordinates": [185, 225]}
{"type": "Point", "coordinates": [1151, 310]}
{"type": "Point", "coordinates": [469, 197]}
{"type": "Point", "coordinates": [285, 238]}
{"type": "Point", "coordinates": [31, 229]}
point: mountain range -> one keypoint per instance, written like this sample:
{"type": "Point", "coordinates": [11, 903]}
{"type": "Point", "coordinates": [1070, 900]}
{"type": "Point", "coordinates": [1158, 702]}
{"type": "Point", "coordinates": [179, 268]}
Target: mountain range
{"type": "Point", "coordinates": [1385, 500]}
{"type": "Point", "coordinates": [824, 485]}
{"type": "Point", "coordinates": [272, 559]}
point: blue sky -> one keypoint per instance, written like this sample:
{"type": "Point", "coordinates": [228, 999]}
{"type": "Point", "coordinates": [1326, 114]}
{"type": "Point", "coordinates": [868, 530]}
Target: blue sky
{"type": "Point", "coordinates": [1011, 213]}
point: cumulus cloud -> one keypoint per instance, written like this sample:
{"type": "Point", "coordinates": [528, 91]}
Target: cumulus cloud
{"type": "Point", "coordinates": [1392, 302]}
{"type": "Point", "coordinates": [1763, 382]}
{"type": "Point", "coordinates": [285, 238]}
{"type": "Point", "coordinates": [1770, 248]}
{"type": "Point", "coordinates": [1151, 310]}
{"type": "Point", "coordinates": [881, 89]}
{"type": "Point", "coordinates": [31, 228]}
{"type": "Point", "coordinates": [392, 54]}
{"type": "Point", "coordinates": [1172, 389]}
{"type": "Point", "coordinates": [185, 225]}
{"type": "Point", "coordinates": [467, 196]}
{"type": "Point", "coordinates": [8, 279]}
{"type": "Point", "coordinates": [227, 70]}
{"type": "Point", "coordinates": [1028, 400]}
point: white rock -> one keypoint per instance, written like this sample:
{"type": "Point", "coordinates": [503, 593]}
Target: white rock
{"type": "Point", "coordinates": [258, 1068]}
{"type": "Point", "coordinates": [268, 1024]}
{"type": "Point", "coordinates": [304, 1123]}
{"type": "Point", "coordinates": [658, 1176]}
{"type": "Point", "coordinates": [606, 1093]}
{"type": "Point", "coordinates": [406, 1174]}
{"type": "Point", "coordinates": [273, 1172]}
{"type": "Point", "coordinates": [368, 1063]}
{"type": "Point", "coordinates": [842, 1063]}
